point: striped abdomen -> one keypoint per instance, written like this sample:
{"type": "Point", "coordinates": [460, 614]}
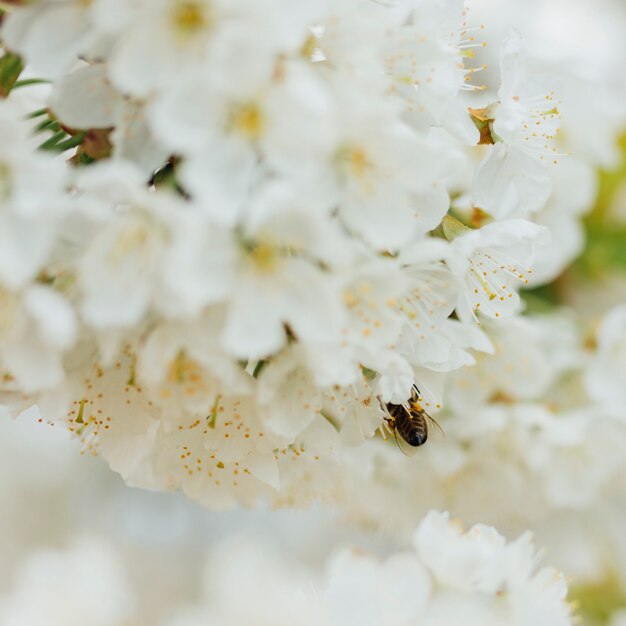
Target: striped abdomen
{"type": "Point", "coordinates": [410, 424]}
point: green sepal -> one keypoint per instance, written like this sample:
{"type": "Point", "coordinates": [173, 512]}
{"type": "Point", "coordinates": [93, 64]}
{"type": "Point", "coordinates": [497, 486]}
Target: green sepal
{"type": "Point", "coordinates": [11, 66]}
{"type": "Point", "coordinates": [452, 228]}
{"type": "Point", "coordinates": [368, 374]}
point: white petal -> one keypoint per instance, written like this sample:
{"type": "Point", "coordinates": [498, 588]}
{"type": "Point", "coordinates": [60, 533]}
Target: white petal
{"type": "Point", "coordinates": [84, 99]}
{"type": "Point", "coordinates": [54, 315]}
{"type": "Point", "coordinates": [509, 183]}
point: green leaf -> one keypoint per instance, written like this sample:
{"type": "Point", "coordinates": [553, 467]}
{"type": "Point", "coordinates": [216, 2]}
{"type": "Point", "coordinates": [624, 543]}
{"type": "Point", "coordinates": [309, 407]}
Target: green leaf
{"type": "Point", "coordinates": [37, 113]}
{"type": "Point", "coordinates": [30, 81]}
{"type": "Point", "coordinates": [11, 66]}
{"type": "Point", "coordinates": [51, 143]}
{"type": "Point", "coordinates": [70, 143]}
{"type": "Point", "coordinates": [48, 124]}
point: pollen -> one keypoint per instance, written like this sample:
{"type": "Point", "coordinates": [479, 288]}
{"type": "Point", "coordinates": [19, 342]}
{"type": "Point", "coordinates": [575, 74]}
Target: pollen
{"type": "Point", "coordinates": [358, 162]}
{"type": "Point", "coordinates": [350, 299]}
{"type": "Point", "coordinates": [247, 119]}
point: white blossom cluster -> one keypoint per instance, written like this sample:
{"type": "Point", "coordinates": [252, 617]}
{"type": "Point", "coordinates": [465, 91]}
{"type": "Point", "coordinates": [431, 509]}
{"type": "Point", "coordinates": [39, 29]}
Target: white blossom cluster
{"type": "Point", "coordinates": [297, 212]}
{"type": "Point", "coordinates": [450, 577]}
{"type": "Point", "coordinates": [534, 433]}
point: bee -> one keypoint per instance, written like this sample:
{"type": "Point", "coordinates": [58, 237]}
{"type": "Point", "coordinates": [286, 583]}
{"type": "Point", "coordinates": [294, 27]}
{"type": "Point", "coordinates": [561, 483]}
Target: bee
{"type": "Point", "coordinates": [409, 420]}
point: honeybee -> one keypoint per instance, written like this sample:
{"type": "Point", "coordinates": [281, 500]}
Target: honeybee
{"type": "Point", "coordinates": [409, 420]}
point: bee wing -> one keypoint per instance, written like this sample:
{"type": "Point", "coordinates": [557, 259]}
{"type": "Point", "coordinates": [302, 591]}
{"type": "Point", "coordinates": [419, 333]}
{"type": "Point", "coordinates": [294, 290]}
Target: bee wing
{"type": "Point", "coordinates": [436, 423]}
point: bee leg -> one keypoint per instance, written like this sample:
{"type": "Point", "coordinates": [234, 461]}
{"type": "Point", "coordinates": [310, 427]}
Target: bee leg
{"type": "Point", "coordinates": [384, 428]}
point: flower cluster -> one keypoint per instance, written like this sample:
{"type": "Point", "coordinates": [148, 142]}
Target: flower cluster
{"type": "Point", "coordinates": [277, 219]}
{"type": "Point", "coordinates": [450, 577]}
{"type": "Point", "coordinates": [535, 433]}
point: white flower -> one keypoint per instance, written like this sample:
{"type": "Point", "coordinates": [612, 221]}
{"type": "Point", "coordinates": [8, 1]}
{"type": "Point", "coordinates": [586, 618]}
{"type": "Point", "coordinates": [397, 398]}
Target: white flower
{"type": "Point", "coordinates": [491, 263]}
{"type": "Point", "coordinates": [31, 202]}
{"type": "Point", "coordinates": [526, 113]}
{"type": "Point", "coordinates": [51, 34]}
{"type": "Point", "coordinates": [510, 183]}
{"type": "Point", "coordinates": [468, 562]}
{"type": "Point", "coordinates": [373, 322]}
{"type": "Point", "coordinates": [37, 326]}
{"type": "Point", "coordinates": [429, 337]}
{"type": "Point", "coordinates": [529, 354]}
{"type": "Point", "coordinates": [378, 161]}
{"type": "Point", "coordinates": [85, 99]}
{"type": "Point", "coordinates": [453, 578]}
{"type": "Point", "coordinates": [355, 410]}
{"type": "Point", "coordinates": [288, 397]}
{"type": "Point", "coordinates": [340, 38]}
{"type": "Point", "coordinates": [448, 348]}
{"type": "Point", "coordinates": [224, 127]}
{"type": "Point", "coordinates": [223, 459]}
{"type": "Point", "coordinates": [174, 35]}
{"type": "Point", "coordinates": [280, 279]}
{"type": "Point", "coordinates": [141, 250]}
{"type": "Point", "coordinates": [395, 380]}
{"type": "Point", "coordinates": [189, 353]}
{"type": "Point", "coordinates": [424, 58]}
{"type": "Point", "coordinates": [504, 574]}
{"type": "Point", "coordinates": [432, 291]}
{"type": "Point", "coordinates": [514, 179]}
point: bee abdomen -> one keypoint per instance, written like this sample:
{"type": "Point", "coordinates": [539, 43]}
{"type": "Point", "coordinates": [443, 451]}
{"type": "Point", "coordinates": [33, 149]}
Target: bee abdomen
{"type": "Point", "coordinates": [411, 427]}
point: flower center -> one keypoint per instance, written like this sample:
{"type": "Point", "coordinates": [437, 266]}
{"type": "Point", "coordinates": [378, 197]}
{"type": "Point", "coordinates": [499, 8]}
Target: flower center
{"type": "Point", "coordinates": [264, 256]}
{"type": "Point", "coordinates": [355, 161]}
{"type": "Point", "coordinates": [190, 16]}
{"type": "Point", "coordinates": [184, 375]}
{"type": "Point", "coordinates": [129, 241]}
{"type": "Point", "coordinates": [246, 119]}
